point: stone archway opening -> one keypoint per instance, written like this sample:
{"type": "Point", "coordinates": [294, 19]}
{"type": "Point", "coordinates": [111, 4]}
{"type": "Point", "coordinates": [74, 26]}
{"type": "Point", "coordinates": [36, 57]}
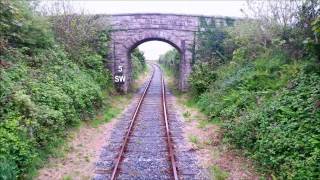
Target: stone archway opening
{"type": "Point", "coordinates": [152, 49]}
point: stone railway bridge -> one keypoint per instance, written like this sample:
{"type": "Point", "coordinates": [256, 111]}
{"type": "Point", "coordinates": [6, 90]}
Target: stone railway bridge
{"type": "Point", "coordinates": [130, 30]}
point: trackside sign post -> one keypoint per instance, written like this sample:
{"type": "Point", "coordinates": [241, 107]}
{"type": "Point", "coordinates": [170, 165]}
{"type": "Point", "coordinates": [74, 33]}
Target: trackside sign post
{"type": "Point", "coordinates": [119, 78]}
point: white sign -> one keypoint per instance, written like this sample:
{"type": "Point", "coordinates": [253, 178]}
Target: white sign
{"type": "Point", "coordinates": [120, 69]}
{"type": "Point", "coordinates": [120, 78]}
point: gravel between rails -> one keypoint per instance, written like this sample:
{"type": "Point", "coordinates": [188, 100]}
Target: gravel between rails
{"type": "Point", "coordinates": [146, 155]}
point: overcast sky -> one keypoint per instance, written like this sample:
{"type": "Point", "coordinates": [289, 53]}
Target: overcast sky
{"type": "Point", "coordinates": [153, 49]}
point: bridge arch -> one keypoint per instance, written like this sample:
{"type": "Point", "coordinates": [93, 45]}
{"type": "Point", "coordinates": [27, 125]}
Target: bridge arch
{"type": "Point", "coordinates": [166, 40]}
{"type": "Point", "coordinates": [130, 30]}
{"type": "Point", "coordinates": [134, 38]}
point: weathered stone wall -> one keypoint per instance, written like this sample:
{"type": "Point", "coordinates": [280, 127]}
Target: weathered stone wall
{"type": "Point", "coordinates": [130, 30]}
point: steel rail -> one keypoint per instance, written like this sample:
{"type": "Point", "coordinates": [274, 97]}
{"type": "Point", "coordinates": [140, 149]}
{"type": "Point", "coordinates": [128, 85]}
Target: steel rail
{"type": "Point", "coordinates": [125, 142]}
{"type": "Point", "coordinates": [170, 146]}
{"type": "Point", "coordinates": [133, 118]}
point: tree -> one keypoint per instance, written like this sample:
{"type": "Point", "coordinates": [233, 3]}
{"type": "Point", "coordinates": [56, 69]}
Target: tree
{"type": "Point", "coordinates": [289, 20]}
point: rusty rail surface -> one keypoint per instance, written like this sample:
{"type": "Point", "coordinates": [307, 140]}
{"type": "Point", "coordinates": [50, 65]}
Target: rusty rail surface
{"type": "Point", "coordinates": [170, 145]}
{"type": "Point", "coordinates": [133, 119]}
{"type": "Point", "coordinates": [125, 142]}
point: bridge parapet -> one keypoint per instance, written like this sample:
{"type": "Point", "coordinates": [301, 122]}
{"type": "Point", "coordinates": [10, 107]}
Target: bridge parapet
{"type": "Point", "coordinates": [121, 22]}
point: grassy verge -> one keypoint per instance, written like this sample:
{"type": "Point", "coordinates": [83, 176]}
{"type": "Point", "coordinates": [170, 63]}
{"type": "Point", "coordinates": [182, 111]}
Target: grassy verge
{"type": "Point", "coordinates": [75, 141]}
{"type": "Point", "coordinates": [114, 105]}
{"type": "Point", "coordinates": [184, 99]}
{"type": "Point", "coordinates": [170, 80]}
{"type": "Point", "coordinates": [77, 152]}
{"type": "Point", "coordinates": [205, 136]}
{"type": "Point", "coordinates": [141, 78]}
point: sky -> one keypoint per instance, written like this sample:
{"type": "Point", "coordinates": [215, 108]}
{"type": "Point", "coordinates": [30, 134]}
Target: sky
{"type": "Point", "coordinates": [153, 49]}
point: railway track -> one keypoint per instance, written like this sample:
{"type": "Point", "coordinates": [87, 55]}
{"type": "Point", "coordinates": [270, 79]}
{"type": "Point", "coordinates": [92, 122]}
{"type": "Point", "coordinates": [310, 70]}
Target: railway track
{"type": "Point", "coordinates": [143, 147]}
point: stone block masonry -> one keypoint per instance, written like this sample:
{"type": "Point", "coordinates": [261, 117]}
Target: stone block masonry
{"type": "Point", "coordinates": [130, 30]}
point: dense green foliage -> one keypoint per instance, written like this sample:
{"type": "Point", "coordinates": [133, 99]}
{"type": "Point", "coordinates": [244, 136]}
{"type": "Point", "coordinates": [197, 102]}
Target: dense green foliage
{"type": "Point", "coordinates": [211, 47]}
{"type": "Point", "coordinates": [44, 89]}
{"type": "Point", "coordinates": [138, 62]}
{"type": "Point", "coordinates": [201, 78]}
{"type": "Point", "coordinates": [283, 133]}
{"type": "Point", "coordinates": [263, 87]}
{"type": "Point", "coordinates": [170, 60]}
{"type": "Point", "coordinates": [268, 108]}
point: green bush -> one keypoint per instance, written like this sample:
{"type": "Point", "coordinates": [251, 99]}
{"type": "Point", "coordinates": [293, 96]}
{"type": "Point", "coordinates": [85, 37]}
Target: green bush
{"type": "Point", "coordinates": [48, 100]}
{"type": "Point", "coordinates": [313, 46]}
{"type": "Point", "coordinates": [211, 43]}
{"type": "Point", "coordinates": [239, 85]}
{"type": "Point", "coordinates": [266, 93]}
{"type": "Point", "coordinates": [170, 62]}
{"type": "Point", "coordinates": [269, 108]}
{"type": "Point", "coordinates": [20, 29]}
{"type": "Point", "coordinates": [201, 78]}
{"type": "Point", "coordinates": [8, 169]}
{"type": "Point", "coordinates": [282, 135]}
{"type": "Point", "coordinates": [44, 90]}
{"type": "Point", "coordinates": [138, 62]}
